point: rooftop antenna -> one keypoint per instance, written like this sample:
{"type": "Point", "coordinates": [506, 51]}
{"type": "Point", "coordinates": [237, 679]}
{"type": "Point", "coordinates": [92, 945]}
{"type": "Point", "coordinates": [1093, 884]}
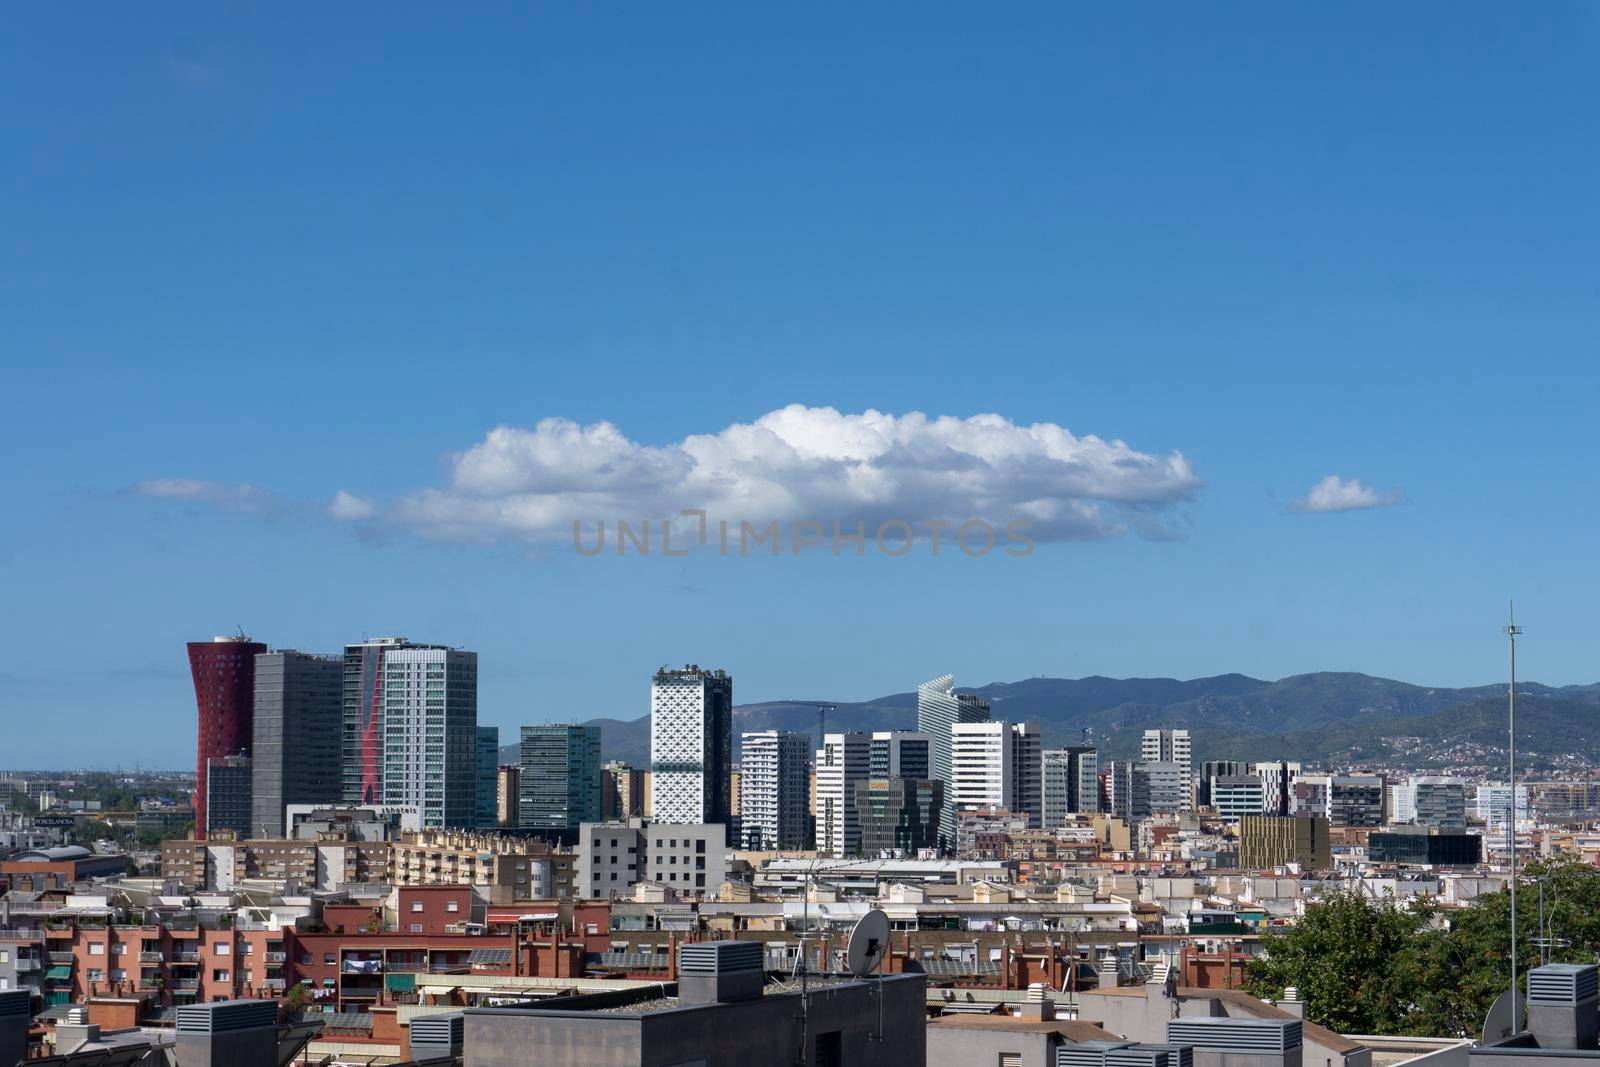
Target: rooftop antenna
{"type": "Point", "coordinates": [1512, 630]}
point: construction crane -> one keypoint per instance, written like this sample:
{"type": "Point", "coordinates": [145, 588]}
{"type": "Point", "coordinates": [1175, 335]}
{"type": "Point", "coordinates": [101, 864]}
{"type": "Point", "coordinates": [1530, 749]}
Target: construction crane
{"type": "Point", "coordinates": [822, 715]}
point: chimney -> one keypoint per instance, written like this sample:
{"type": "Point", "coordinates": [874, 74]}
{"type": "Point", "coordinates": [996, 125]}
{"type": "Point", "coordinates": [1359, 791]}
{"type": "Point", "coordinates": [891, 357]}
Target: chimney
{"type": "Point", "coordinates": [720, 972]}
{"type": "Point", "coordinates": [229, 1033]}
{"type": "Point", "coordinates": [1219, 1041]}
{"type": "Point", "coordinates": [1562, 1005]}
{"type": "Point", "coordinates": [437, 1035]}
{"type": "Point", "coordinates": [1291, 1002]}
{"type": "Point", "coordinates": [16, 1011]}
{"type": "Point", "coordinates": [1038, 1006]}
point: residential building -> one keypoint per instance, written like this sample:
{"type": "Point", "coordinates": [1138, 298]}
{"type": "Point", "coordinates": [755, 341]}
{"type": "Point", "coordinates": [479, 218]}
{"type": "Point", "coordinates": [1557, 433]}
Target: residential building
{"type": "Point", "coordinates": [488, 766]}
{"type": "Point", "coordinates": [773, 769]}
{"type": "Point", "coordinates": [1280, 840]}
{"type": "Point", "coordinates": [363, 731]}
{"type": "Point", "coordinates": [1237, 795]}
{"type": "Point", "coordinates": [227, 795]}
{"type": "Point", "coordinates": [691, 745]}
{"type": "Point", "coordinates": [1218, 768]}
{"type": "Point", "coordinates": [625, 790]}
{"type": "Point", "coordinates": [1169, 746]}
{"type": "Point", "coordinates": [507, 795]}
{"type": "Point", "coordinates": [939, 708]}
{"type": "Point", "coordinates": [1278, 778]}
{"type": "Point", "coordinates": [1170, 787]}
{"type": "Point", "coordinates": [295, 750]}
{"type": "Point", "coordinates": [1128, 790]}
{"type": "Point", "coordinates": [1345, 800]}
{"type": "Point", "coordinates": [430, 732]}
{"type": "Point", "coordinates": [901, 754]}
{"type": "Point", "coordinates": [224, 673]}
{"type": "Point", "coordinates": [614, 857]}
{"type": "Point", "coordinates": [559, 786]}
{"type": "Point", "coordinates": [898, 816]}
{"type": "Point", "coordinates": [843, 760]}
{"type": "Point", "coordinates": [1069, 784]}
{"type": "Point", "coordinates": [1439, 804]}
{"type": "Point", "coordinates": [505, 868]}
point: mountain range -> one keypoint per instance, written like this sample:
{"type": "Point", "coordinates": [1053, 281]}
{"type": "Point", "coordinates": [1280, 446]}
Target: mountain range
{"type": "Point", "coordinates": [1327, 717]}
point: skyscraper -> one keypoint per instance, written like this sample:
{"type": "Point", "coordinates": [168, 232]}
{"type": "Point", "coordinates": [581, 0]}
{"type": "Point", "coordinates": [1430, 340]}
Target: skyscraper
{"type": "Point", "coordinates": [691, 746]}
{"type": "Point", "coordinates": [224, 671]}
{"type": "Point", "coordinates": [939, 707]}
{"type": "Point", "coordinates": [773, 767]}
{"type": "Point", "coordinates": [1069, 784]}
{"type": "Point", "coordinates": [429, 732]}
{"type": "Point", "coordinates": [488, 764]}
{"type": "Point", "coordinates": [1171, 746]}
{"type": "Point", "coordinates": [295, 757]}
{"type": "Point", "coordinates": [843, 760]}
{"type": "Point", "coordinates": [559, 786]}
{"type": "Point", "coordinates": [997, 766]}
{"type": "Point", "coordinates": [362, 731]}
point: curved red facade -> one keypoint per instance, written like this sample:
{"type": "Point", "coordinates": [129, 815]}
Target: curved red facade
{"type": "Point", "coordinates": [224, 673]}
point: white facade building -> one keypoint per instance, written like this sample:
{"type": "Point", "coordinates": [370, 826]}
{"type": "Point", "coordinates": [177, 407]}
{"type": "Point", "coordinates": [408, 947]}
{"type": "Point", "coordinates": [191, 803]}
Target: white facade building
{"type": "Point", "coordinates": [998, 765]}
{"type": "Point", "coordinates": [774, 775]}
{"type": "Point", "coordinates": [939, 708]}
{"type": "Point", "coordinates": [1237, 795]}
{"type": "Point", "coordinates": [843, 760]}
{"type": "Point", "coordinates": [1170, 746]}
{"type": "Point", "coordinates": [613, 857]}
{"type": "Point", "coordinates": [691, 746]}
{"type": "Point", "coordinates": [430, 733]}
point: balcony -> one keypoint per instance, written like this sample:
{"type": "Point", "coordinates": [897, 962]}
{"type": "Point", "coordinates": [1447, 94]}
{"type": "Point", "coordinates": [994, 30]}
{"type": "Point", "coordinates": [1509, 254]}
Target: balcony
{"type": "Point", "coordinates": [275, 985]}
{"type": "Point", "coordinates": [186, 958]}
{"type": "Point", "coordinates": [152, 957]}
{"type": "Point", "coordinates": [61, 957]}
{"type": "Point", "coordinates": [186, 985]}
{"type": "Point", "coordinates": [277, 957]}
{"type": "Point", "coordinates": [26, 964]}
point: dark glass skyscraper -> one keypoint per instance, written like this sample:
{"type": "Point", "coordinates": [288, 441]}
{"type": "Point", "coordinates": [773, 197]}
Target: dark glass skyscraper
{"type": "Point", "coordinates": [298, 701]}
{"type": "Point", "coordinates": [559, 784]}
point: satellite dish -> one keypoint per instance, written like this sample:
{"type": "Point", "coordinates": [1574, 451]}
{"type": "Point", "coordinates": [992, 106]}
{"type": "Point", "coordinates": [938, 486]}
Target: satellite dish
{"type": "Point", "coordinates": [869, 941]}
{"type": "Point", "coordinates": [1497, 1024]}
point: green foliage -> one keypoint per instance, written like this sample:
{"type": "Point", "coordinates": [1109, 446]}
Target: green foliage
{"type": "Point", "coordinates": [1372, 967]}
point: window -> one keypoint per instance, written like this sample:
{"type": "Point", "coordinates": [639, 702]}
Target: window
{"type": "Point", "coordinates": [95, 974]}
{"type": "Point", "coordinates": [416, 905]}
{"type": "Point", "coordinates": [453, 906]}
{"type": "Point", "coordinates": [416, 928]}
{"type": "Point", "coordinates": [1010, 1059]}
{"type": "Point", "coordinates": [97, 950]}
{"type": "Point", "coordinates": [119, 949]}
{"type": "Point", "coordinates": [328, 958]}
{"type": "Point", "coordinates": [221, 949]}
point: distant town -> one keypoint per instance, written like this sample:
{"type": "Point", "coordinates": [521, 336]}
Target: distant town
{"type": "Point", "coordinates": [354, 852]}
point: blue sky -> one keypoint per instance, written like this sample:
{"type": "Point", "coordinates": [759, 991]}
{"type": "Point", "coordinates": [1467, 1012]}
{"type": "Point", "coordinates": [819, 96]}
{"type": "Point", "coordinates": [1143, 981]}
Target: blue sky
{"type": "Point", "coordinates": [315, 253]}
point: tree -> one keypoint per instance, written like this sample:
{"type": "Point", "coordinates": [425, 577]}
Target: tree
{"type": "Point", "coordinates": [1349, 957]}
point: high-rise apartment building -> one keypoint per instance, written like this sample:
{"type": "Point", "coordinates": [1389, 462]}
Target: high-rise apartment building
{"type": "Point", "coordinates": [295, 752]}
{"type": "Point", "coordinates": [1218, 768]}
{"type": "Point", "coordinates": [843, 760]}
{"type": "Point", "coordinates": [1069, 784]}
{"type": "Point", "coordinates": [940, 707]}
{"type": "Point", "coordinates": [430, 733]}
{"type": "Point", "coordinates": [224, 672]}
{"type": "Point", "coordinates": [1128, 789]}
{"type": "Point", "coordinates": [901, 754]}
{"type": "Point", "coordinates": [773, 777]}
{"type": "Point", "coordinates": [488, 765]}
{"type": "Point", "coordinates": [560, 785]}
{"type": "Point", "coordinates": [1277, 780]}
{"type": "Point", "coordinates": [1439, 804]}
{"type": "Point", "coordinates": [623, 791]}
{"type": "Point", "coordinates": [1169, 787]}
{"type": "Point", "coordinates": [691, 746]}
{"type": "Point", "coordinates": [996, 766]}
{"type": "Point", "coordinates": [1170, 746]}
{"type": "Point", "coordinates": [362, 734]}
{"type": "Point", "coordinates": [507, 803]}
{"type": "Point", "coordinates": [1236, 795]}
{"type": "Point", "coordinates": [1345, 800]}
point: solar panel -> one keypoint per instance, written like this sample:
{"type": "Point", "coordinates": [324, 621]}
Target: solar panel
{"type": "Point", "coordinates": [490, 956]}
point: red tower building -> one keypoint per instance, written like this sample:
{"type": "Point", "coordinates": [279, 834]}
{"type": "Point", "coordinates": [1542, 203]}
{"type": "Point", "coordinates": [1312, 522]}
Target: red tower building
{"type": "Point", "coordinates": [224, 670]}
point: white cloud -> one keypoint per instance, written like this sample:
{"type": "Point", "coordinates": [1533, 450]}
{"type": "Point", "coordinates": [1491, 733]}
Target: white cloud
{"type": "Point", "coordinates": [1334, 493]}
{"type": "Point", "coordinates": [347, 507]}
{"type": "Point", "coordinates": [800, 463]}
{"type": "Point", "coordinates": [223, 496]}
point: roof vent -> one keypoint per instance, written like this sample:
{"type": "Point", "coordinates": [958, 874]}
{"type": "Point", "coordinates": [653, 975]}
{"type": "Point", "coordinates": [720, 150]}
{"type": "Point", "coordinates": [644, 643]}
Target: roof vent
{"type": "Point", "coordinates": [1151, 1056]}
{"type": "Point", "coordinates": [1563, 983]}
{"type": "Point", "coordinates": [1236, 1035]}
{"type": "Point", "coordinates": [1088, 1053]}
{"type": "Point", "coordinates": [720, 972]}
{"type": "Point", "coordinates": [227, 1016]}
{"type": "Point", "coordinates": [437, 1035]}
{"type": "Point", "coordinates": [77, 1015]}
{"type": "Point", "coordinates": [16, 1002]}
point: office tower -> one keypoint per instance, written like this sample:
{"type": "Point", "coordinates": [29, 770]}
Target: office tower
{"type": "Point", "coordinates": [1169, 746]}
{"type": "Point", "coordinates": [488, 764]}
{"type": "Point", "coordinates": [224, 671]}
{"type": "Point", "coordinates": [1439, 804]}
{"type": "Point", "coordinates": [843, 760]}
{"type": "Point", "coordinates": [898, 816]}
{"type": "Point", "coordinates": [299, 699]}
{"type": "Point", "coordinates": [940, 707]}
{"type": "Point", "coordinates": [560, 782]}
{"type": "Point", "coordinates": [430, 732]}
{"type": "Point", "coordinates": [691, 746]}
{"type": "Point", "coordinates": [1128, 789]}
{"type": "Point", "coordinates": [507, 804]}
{"type": "Point", "coordinates": [1345, 800]}
{"type": "Point", "coordinates": [996, 766]}
{"type": "Point", "coordinates": [1279, 840]}
{"type": "Point", "coordinates": [1218, 768]}
{"type": "Point", "coordinates": [1237, 795]}
{"type": "Point", "coordinates": [1277, 778]}
{"type": "Point", "coordinates": [1169, 787]}
{"type": "Point", "coordinates": [901, 754]}
{"type": "Point", "coordinates": [362, 734]}
{"type": "Point", "coordinates": [773, 765]}
{"type": "Point", "coordinates": [227, 795]}
{"type": "Point", "coordinates": [1069, 784]}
